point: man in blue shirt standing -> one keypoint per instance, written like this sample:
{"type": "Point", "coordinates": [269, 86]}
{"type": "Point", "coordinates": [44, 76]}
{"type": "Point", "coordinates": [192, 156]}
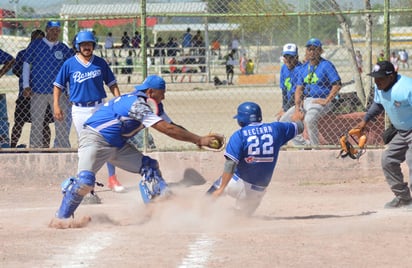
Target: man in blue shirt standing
{"type": "Point", "coordinates": [393, 94]}
{"type": "Point", "coordinates": [42, 62]}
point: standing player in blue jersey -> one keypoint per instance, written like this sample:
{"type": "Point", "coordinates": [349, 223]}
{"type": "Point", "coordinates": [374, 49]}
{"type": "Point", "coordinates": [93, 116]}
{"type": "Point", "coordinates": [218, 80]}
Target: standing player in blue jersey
{"type": "Point", "coordinates": [318, 84]}
{"type": "Point", "coordinates": [288, 77]}
{"type": "Point", "coordinates": [7, 61]}
{"type": "Point", "coordinates": [86, 75]}
{"type": "Point", "coordinates": [104, 139]}
{"type": "Point", "coordinates": [42, 62]}
{"type": "Point", "coordinates": [393, 94]}
{"type": "Point", "coordinates": [251, 155]}
{"type": "Point", "coordinates": [22, 111]}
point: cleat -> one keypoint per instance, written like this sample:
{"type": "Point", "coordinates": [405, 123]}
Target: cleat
{"type": "Point", "coordinates": [91, 198]}
{"type": "Point", "coordinates": [398, 202]}
{"type": "Point", "coordinates": [115, 185]}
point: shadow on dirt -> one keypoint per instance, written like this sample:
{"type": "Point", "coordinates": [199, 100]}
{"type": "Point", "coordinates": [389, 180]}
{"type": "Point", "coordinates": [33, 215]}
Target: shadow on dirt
{"type": "Point", "coordinates": [191, 177]}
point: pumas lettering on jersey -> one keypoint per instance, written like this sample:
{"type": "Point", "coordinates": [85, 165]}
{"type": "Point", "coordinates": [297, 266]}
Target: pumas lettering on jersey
{"type": "Point", "coordinates": [79, 77]}
{"type": "Point", "coordinates": [257, 131]}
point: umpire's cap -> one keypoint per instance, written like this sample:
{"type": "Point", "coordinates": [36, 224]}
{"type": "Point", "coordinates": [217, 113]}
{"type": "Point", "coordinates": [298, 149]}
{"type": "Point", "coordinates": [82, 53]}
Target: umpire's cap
{"type": "Point", "coordinates": [152, 81]}
{"type": "Point", "coordinates": [382, 69]}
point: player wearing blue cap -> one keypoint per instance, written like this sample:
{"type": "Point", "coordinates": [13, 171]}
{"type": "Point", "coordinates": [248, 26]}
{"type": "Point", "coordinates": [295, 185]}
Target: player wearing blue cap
{"type": "Point", "coordinates": [251, 155]}
{"type": "Point", "coordinates": [317, 85]}
{"type": "Point", "coordinates": [86, 74]}
{"type": "Point", "coordinates": [42, 62]}
{"type": "Point", "coordinates": [104, 139]}
{"type": "Point", "coordinates": [288, 77]}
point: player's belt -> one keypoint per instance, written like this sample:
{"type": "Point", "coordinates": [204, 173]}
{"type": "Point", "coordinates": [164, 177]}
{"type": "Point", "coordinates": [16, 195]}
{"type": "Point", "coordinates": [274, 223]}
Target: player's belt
{"type": "Point", "coordinates": [252, 186]}
{"type": "Point", "coordinates": [87, 104]}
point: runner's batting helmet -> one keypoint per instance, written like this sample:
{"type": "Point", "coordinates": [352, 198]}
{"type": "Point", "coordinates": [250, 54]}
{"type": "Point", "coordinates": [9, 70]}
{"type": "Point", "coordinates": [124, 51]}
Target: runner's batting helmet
{"type": "Point", "coordinates": [84, 36]}
{"type": "Point", "coordinates": [247, 113]}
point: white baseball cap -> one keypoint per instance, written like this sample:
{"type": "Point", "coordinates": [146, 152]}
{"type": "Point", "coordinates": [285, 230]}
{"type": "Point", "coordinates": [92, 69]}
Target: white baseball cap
{"type": "Point", "coordinates": [290, 49]}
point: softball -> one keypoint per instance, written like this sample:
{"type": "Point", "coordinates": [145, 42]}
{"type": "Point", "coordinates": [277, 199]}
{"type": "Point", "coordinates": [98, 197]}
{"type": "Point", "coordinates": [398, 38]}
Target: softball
{"type": "Point", "coordinates": [215, 144]}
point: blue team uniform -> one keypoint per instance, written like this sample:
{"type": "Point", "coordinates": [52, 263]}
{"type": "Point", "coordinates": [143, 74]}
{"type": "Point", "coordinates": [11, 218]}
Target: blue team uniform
{"type": "Point", "coordinates": [318, 80]}
{"type": "Point", "coordinates": [121, 118]}
{"type": "Point", "coordinates": [86, 80]}
{"type": "Point", "coordinates": [255, 149]}
{"type": "Point", "coordinates": [397, 102]}
{"type": "Point", "coordinates": [5, 57]}
{"type": "Point", "coordinates": [40, 56]}
{"type": "Point", "coordinates": [288, 81]}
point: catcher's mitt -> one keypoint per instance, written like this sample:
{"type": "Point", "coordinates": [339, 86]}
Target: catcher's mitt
{"type": "Point", "coordinates": [347, 149]}
{"type": "Point", "coordinates": [216, 144]}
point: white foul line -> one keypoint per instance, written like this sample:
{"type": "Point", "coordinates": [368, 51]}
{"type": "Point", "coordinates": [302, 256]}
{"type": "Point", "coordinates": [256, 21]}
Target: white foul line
{"type": "Point", "coordinates": [82, 254]}
{"type": "Point", "coordinates": [199, 252]}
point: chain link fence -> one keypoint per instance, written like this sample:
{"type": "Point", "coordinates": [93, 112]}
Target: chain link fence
{"type": "Point", "coordinates": [150, 37]}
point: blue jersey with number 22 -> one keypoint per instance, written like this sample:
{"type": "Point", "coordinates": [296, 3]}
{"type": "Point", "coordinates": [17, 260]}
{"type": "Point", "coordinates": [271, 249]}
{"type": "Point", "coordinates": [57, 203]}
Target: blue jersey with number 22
{"type": "Point", "coordinates": [255, 149]}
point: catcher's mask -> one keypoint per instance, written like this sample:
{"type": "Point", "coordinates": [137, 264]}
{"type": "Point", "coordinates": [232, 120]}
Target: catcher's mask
{"type": "Point", "coordinates": [357, 136]}
{"type": "Point", "coordinates": [247, 113]}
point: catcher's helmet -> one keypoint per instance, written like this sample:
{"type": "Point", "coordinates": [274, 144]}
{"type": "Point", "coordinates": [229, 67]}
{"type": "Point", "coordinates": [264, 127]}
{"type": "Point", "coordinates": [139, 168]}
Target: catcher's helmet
{"type": "Point", "coordinates": [84, 36]}
{"type": "Point", "coordinates": [247, 113]}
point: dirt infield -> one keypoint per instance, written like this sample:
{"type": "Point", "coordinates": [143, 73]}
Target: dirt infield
{"type": "Point", "coordinates": [302, 222]}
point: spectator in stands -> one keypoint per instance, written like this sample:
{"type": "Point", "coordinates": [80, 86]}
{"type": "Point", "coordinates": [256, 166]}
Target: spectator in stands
{"type": "Point", "coordinates": [22, 111]}
{"type": "Point", "coordinates": [42, 62]}
{"type": "Point", "coordinates": [172, 47]}
{"type": "Point", "coordinates": [381, 56]}
{"type": "Point", "coordinates": [159, 50]}
{"type": "Point", "coordinates": [394, 59]}
{"type": "Point", "coordinates": [288, 78]}
{"type": "Point", "coordinates": [188, 63]}
{"type": "Point", "coordinates": [250, 67]}
{"type": "Point", "coordinates": [125, 43]}
{"type": "Point", "coordinates": [317, 85]}
{"type": "Point", "coordinates": [136, 39]}
{"type": "Point", "coordinates": [403, 58]}
{"type": "Point", "coordinates": [187, 40]}
{"type": "Point", "coordinates": [173, 69]}
{"type": "Point", "coordinates": [98, 46]}
{"type": "Point", "coordinates": [128, 69]}
{"type": "Point", "coordinates": [359, 60]}
{"type": "Point", "coordinates": [109, 44]}
{"type": "Point", "coordinates": [242, 63]}
{"type": "Point", "coordinates": [230, 66]}
{"type": "Point", "coordinates": [215, 47]}
{"type": "Point", "coordinates": [234, 46]}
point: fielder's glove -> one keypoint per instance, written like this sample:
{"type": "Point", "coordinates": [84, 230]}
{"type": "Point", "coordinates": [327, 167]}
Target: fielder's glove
{"type": "Point", "coordinates": [216, 142]}
{"type": "Point", "coordinates": [347, 149]}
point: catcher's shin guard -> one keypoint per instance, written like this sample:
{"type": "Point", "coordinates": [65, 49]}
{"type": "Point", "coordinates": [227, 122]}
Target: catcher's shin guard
{"type": "Point", "coordinates": [152, 184]}
{"type": "Point", "coordinates": [74, 189]}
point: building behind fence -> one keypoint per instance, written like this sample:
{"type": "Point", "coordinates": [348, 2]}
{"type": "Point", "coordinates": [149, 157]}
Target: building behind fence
{"type": "Point", "coordinates": [199, 96]}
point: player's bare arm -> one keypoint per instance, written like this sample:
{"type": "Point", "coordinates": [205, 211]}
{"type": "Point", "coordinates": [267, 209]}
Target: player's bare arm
{"type": "Point", "coordinates": [335, 89]}
{"type": "Point", "coordinates": [182, 134]}
{"type": "Point", "coordinates": [58, 113]}
{"type": "Point", "coordinates": [298, 102]}
{"type": "Point", "coordinates": [115, 90]}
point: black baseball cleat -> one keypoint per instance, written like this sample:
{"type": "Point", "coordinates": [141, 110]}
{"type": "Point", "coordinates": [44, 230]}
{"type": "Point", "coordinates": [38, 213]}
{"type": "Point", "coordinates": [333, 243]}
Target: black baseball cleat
{"type": "Point", "coordinates": [398, 202]}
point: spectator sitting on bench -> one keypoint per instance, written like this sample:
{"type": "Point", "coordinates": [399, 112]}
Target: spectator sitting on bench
{"type": "Point", "coordinates": [173, 69]}
{"type": "Point", "coordinates": [188, 69]}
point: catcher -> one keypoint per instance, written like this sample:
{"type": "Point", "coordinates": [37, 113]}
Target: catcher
{"type": "Point", "coordinates": [251, 155]}
{"type": "Point", "coordinates": [104, 139]}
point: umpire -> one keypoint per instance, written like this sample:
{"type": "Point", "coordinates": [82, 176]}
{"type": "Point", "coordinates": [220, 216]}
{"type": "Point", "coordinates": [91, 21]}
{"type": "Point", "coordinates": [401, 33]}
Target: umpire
{"type": "Point", "coordinates": [393, 94]}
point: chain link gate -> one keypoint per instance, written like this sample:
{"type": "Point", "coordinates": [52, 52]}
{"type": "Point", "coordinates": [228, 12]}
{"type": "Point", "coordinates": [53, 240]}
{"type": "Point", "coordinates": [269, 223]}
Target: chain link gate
{"type": "Point", "coordinates": [199, 94]}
